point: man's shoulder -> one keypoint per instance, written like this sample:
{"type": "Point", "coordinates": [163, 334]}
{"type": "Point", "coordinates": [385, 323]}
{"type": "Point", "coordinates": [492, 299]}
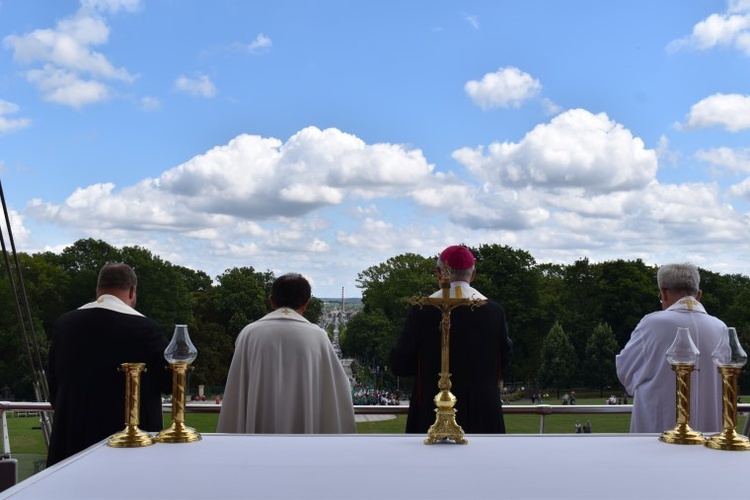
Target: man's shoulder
{"type": "Point", "coordinates": [97, 315]}
{"type": "Point", "coordinates": [667, 318]}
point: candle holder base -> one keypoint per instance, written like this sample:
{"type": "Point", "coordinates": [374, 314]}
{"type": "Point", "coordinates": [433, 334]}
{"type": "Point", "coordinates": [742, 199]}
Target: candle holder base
{"type": "Point", "coordinates": [445, 426]}
{"type": "Point", "coordinates": [131, 437]}
{"type": "Point", "coordinates": [728, 440]}
{"type": "Point", "coordinates": [682, 434]}
{"type": "Point", "coordinates": [178, 433]}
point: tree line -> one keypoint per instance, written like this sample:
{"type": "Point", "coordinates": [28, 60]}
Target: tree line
{"type": "Point", "coordinates": [214, 310]}
{"type": "Point", "coordinates": [567, 322]}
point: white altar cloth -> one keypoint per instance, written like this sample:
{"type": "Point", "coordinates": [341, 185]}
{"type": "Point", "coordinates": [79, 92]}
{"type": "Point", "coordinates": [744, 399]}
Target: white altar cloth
{"type": "Point", "coordinates": [221, 466]}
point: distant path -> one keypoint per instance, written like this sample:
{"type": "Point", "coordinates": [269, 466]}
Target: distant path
{"type": "Point", "coordinates": [373, 418]}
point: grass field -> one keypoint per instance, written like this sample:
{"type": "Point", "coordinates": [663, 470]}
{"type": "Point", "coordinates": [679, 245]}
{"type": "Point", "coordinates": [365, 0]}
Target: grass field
{"type": "Point", "coordinates": [27, 443]}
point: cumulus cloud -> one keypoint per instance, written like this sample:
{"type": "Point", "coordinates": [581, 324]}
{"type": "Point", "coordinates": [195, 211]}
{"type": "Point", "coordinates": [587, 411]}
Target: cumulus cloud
{"type": "Point", "coordinates": [11, 124]}
{"type": "Point", "coordinates": [21, 234]}
{"type": "Point", "coordinates": [199, 86]}
{"type": "Point", "coordinates": [579, 185]}
{"type": "Point", "coordinates": [576, 149]}
{"type": "Point", "coordinates": [251, 178]}
{"type": "Point", "coordinates": [730, 111]}
{"type": "Point", "coordinates": [731, 30]}
{"type": "Point", "coordinates": [733, 160]}
{"type": "Point", "coordinates": [506, 87]}
{"type": "Point", "coordinates": [741, 190]}
{"type": "Point", "coordinates": [65, 66]}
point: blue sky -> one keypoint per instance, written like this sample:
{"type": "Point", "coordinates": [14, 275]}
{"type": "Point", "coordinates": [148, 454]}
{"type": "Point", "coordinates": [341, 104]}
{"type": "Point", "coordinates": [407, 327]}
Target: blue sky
{"type": "Point", "coordinates": [326, 137]}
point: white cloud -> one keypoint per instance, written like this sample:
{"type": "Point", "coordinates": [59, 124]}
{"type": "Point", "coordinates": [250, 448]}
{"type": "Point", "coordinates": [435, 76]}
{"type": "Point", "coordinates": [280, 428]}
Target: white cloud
{"type": "Point", "coordinates": [738, 6]}
{"type": "Point", "coordinates": [21, 234]}
{"type": "Point", "coordinates": [731, 111]}
{"type": "Point", "coordinates": [551, 108]}
{"type": "Point", "coordinates": [200, 86]}
{"type": "Point", "coordinates": [741, 190]}
{"type": "Point", "coordinates": [733, 160]}
{"type": "Point", "coordinates": [71, 72]}
{"type": "Point", "coordinates": [507, 87]}
{"type": "Point", "coordinates": [261, 44]}
{"type": "Point", "coordinates": [11, 124]}
{"type": "Point", "coordinates": [576, 149]}
{"type": "Point", "coordinates": [64, 87]}
{"type": "Point", "coordinates": [253, 179]}
{"type": "Point", "coordinates": [579, 185]}
{"type": "Point", "coordinates": [730, 30]}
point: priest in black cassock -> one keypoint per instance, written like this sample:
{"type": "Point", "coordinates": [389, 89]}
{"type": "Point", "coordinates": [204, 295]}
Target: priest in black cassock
{"type": "Point", "coordinates": [480, 351]}
{"type": "Point", "coordinates": [88, 346]}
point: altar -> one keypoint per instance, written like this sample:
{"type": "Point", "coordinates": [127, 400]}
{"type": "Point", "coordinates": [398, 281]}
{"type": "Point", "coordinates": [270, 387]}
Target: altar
{"type": "Point", "coordinates": [222, 466]}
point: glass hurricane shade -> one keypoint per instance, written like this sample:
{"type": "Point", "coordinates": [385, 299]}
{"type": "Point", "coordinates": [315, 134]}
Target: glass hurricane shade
{"type": "Point", "coordinates": [180, 349]}
{"type": "Point", "coordinates": [729, 352]}
{"type": "Point", "coordinates": [683, 351]}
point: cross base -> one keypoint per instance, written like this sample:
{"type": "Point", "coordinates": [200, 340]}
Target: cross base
{"type": "Point", "coordinates": [445, 426]}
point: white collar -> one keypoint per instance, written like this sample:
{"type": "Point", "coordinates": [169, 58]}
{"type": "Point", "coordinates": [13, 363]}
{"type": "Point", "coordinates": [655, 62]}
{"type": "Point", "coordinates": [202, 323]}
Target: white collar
{"type": "Point", "coordinates": [111, 303]}
{"type": "Point", "coordinates": [689, 304]}
{"type": "Point", "coordinates": [466, 291]}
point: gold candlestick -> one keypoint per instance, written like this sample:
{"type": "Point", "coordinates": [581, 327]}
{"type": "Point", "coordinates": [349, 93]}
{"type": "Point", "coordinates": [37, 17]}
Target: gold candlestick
{"type": "Point", "coordinates": [445, 426]}
{"type": "Point", "coordinates": [729, 439]}
{"type": "Point", "coordinates": [132, 436]}
{"type": "Point", "coordinates": [682, 433]}
{"type": "Point", "coordinates": [729, 358]}
{"type": "Point", "coordinates": [179, 353]}
{"type": "Point", "coordinates": [178, 432]}
{"type": "Point", "coordinates": [683, 356]}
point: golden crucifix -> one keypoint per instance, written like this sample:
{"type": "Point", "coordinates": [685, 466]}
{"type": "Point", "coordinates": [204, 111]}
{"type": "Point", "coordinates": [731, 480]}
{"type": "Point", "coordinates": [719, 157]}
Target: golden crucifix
{"type": "Point", "coordinates": [445, 426]}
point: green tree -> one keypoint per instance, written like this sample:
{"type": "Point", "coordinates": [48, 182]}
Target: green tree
{"type": "Point", "coordinates": [626, 291]}
{"type": "Point", "coordinates": [162, 291]}
{"type": "Point", "coordinates": [215, 351]}
{"type": "Point", "coordinates": [82, 262]}
{"type": "Point", "coordinates": [599, 363]}
{"type": "Point", "coordinates": [369, 337]}
{"type": "Point", "coordinates": [581, 308]}
{"type": "Point", "coordinates": [314, 310]}
{"type": "Point", "coordinates": [559, 363]}
{"type": "Point", "coordinates": [371, 334]}
{"type": "Point", "coordinates": [241, 297]}
{"type": "Point", "coordinates": [510, 277]}
{"type": "Point", "coordinates": [386, 286]}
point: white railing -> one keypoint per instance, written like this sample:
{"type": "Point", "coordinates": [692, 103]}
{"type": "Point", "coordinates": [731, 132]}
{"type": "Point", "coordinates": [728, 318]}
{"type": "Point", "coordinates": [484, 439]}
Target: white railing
{"type": "Point", "coordinates": [26, 408]}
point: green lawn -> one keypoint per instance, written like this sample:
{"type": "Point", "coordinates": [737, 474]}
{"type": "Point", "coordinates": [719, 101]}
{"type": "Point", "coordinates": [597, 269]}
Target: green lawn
{"type": "Point", "coordinates": [27, 442]}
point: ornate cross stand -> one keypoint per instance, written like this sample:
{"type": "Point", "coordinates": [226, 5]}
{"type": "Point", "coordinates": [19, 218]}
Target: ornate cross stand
{"type": "Point", "coordinates": [445, 426]}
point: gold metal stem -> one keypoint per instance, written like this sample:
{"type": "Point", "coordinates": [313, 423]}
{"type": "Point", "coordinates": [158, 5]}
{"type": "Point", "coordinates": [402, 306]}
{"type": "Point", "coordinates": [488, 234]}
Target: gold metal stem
{"type": "Point", "coordinates": [178, 432]}
{"type": "Point", "coordinates": [445, 426]}
{"type": "Point", "coordinates": [728, 438]}
{"type": "Point", "coordinates": [682, 433]}
{"type": "Point", "coordinates": [131, 436]}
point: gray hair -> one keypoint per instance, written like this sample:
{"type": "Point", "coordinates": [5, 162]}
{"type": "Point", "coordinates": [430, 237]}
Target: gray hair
{"type": "Point", "coordinates": [679, 277]}
{"type": "Point", "coordinates": [454, 274]}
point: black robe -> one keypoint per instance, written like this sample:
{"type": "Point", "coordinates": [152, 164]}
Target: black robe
{"type": "Point", "coordinates": [480, 351]}
{"type": "Point", "coordinates": [87, 391]}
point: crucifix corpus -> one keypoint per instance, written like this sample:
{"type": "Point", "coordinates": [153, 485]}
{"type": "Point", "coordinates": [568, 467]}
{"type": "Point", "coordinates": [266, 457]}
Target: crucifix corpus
{"type": "Point", "coordinates": [445, 426]}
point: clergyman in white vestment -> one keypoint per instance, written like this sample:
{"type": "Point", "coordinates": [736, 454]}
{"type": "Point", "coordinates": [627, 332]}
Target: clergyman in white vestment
{"type": "Point", "coordinates": [643, 368]}
{"type": "Point", "coordinates": [285, 377]}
